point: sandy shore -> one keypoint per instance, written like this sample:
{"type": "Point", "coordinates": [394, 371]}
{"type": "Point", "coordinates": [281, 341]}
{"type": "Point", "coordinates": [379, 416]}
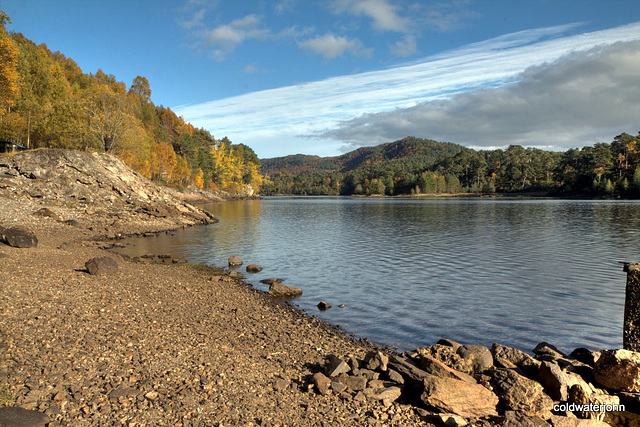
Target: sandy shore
{"type": "Point", "coordinates": [156, 344]}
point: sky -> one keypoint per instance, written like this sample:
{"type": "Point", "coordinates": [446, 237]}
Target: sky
{"type": "Point", "coordinates": [326, 77]}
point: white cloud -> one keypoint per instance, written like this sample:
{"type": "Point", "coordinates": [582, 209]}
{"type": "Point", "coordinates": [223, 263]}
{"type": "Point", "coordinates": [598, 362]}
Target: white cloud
{"type": "Point", "coordinates": [331, 46]}
{"type": "Point", "coordinates": [581, 98]}
{"type": "Point", "coordinates": [278, 121]}
{"type": "Point", "coordinates": [405, 47]}
{"type": "Point", "coordinates": [225, 38]}
{"type": "Point", "coordinates": [384, 15]}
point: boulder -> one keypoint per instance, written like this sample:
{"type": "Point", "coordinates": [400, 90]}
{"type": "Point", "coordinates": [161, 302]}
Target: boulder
{"type": "Point", "coordinates": [101, 266]}
{"type": "Point", "coordinates": [376, 360]}
{"type": "Point", "coordinates": [47, 213]}
{"type": "Point", "coordinates": [19, 417]}
{"type": "Point", "coordinates": [619, 370]}
{"type": "Point", "coordinates": [447, 354]}
{"type": "Point", "coordinates": [321, 382]}
{"type": "Point", "coordinates": [18, 237]}
{"type": "Point", "coordinates": [277, 289]}
{"type": "Point", "coordinates": [459, 397]}
{"type": "Point", "coordinates": [546, 351]}
{"type": "Point", "coordinates": [353, 382]}
{"type": "Point", "coordinates": [511, 358]}
{"type": "Point", "coordinates": [334, 366]}
{"type": "Point", "coordinates": [252, 268]}
{"type": "Point", "coordinates": [323, 305]}
{"type": "Point", "coordinates": [234, 261]}
{"type": "Point", "coordinates": [519, 393]}
{"type": "Point", "coordinates": [389, 394]}
{"type": "Point", "coordinates": [476, 356]}
{"type": "Point", "coordinates": [407, 368]}
{"type": "Point", "coordinates": [435, 367]}
{"type": "Point", "coordinates": [553, 380]}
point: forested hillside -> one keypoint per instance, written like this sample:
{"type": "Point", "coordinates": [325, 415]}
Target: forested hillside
{"type": "Point", "coordinates": [417, 166]}
{"type": "Point", "coordinates": [47, 101]}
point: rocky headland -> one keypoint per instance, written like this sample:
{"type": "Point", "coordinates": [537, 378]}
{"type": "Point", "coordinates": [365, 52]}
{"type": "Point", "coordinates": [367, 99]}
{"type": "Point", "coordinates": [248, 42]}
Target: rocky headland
{"type": "Point", "coordinates": [88, 337]}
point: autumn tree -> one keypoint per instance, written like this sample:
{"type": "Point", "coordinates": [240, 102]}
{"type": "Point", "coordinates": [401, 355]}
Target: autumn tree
{"type": "Point", "coordinates": [9, 77]}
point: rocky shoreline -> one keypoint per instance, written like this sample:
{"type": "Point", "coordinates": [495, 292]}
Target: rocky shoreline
{"type": "Point", "coordinates": [163, 343]}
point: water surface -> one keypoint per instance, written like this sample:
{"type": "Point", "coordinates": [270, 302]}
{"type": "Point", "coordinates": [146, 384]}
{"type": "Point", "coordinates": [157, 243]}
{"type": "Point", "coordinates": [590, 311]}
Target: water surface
{"type": "Point", "coordinates": [411, 271]}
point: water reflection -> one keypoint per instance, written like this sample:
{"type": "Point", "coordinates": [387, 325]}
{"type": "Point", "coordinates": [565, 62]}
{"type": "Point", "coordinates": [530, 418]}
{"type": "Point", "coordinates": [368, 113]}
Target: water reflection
{"type": "Point", "coordinates": [412, 271]}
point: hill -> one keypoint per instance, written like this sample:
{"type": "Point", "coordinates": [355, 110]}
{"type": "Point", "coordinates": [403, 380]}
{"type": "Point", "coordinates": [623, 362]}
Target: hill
{"type": "Point", "coordinates": [423, 151]}
{"type": "Point", "coordinates": [419, 166]}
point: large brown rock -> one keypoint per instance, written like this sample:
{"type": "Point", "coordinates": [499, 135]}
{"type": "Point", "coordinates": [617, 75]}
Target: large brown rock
{"type": "Point", "coordinates": [435, 367]}
{"type": "Point", "coordinates": [18, 237]}
{"type": "Point", "coordinates": [277, 289]}
{"type": "Point", "coordinates": [459, 397]}
{"type": "Point", "coordinates": [510, 358]}
{"type": "Point", "coordinates": [619, 370]}
{"type": "Point", "coordinates": [447, 354]}
{"type": "Point", "coordinates": [519, 393]}
{"type": "Point", "coordinates": [101, 266]}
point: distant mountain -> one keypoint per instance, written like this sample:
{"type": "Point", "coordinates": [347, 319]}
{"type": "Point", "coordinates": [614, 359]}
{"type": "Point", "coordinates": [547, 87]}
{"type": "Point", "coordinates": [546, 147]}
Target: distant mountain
{"type": "Point", "coordinates": [424, 151]}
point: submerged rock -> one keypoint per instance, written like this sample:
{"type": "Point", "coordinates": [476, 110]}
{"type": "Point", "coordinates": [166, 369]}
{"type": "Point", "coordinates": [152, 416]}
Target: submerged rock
{"type": "Point", "coordinates": [277, 289]}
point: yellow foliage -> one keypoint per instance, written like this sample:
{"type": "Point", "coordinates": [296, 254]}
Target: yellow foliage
{"type": "Point", "coordinates": [198, 180]}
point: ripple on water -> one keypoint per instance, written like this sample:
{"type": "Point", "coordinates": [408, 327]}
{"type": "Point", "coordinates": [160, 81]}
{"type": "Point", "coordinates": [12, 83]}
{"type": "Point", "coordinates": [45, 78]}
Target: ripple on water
{"type": "Point", "coordinates": [413, 271]}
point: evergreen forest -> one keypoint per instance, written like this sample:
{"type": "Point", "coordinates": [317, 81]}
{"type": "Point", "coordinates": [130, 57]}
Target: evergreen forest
{"type": "Point", "coordinates": [421, 166]}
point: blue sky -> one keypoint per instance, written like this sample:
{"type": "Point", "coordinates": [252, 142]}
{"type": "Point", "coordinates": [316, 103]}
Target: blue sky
{"type": "Point", "coordinates": [325, 77]}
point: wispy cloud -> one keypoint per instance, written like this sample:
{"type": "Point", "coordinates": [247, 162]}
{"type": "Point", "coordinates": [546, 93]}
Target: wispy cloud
{"type": "Point", "coordinates": [225, 38]}
{"type": "Point", "coordinates": [385, 16]}
{"type": "Point", "coordinates": [581, 98]}
{"type": "Point", "coordinates": [405, 47]}
{"type": "Point", "coordinates": [331, 46]}
{"type": "Point", "coordinates": [335, 111]}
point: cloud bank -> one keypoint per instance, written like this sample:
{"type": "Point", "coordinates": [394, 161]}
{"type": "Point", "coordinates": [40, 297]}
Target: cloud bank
{"type": "Point", "coordinates": [579, 99]}
{"type": "Point", "coordinates": [488, 87]}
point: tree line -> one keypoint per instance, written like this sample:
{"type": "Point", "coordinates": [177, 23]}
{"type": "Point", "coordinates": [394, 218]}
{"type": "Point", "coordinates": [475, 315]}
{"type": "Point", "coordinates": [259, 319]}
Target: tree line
{"type": "Point", "coordinates": [47, 101]}
{"type": "Point", "coordinates": [604, 169]}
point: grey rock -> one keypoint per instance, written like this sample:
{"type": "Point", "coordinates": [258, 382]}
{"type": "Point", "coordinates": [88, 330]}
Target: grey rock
{"type": "Point", "coordinates": [546, 351]}
{"type": "Point", "coordinates": [19, 417]}
{"type": "Point", "coordinates": [395, 376]}
{"type": "Point", "coordinates": [477, 356]}
{"type": "Point", "coordinates": [334, 366]}
{"type": "Point", "coordinates": [510, 358]}
{"type": "Point", "coordinates": [18, 237]}
{"type": "Point", "coordinates": [101, 266]}
{"type": "Point", "coordinates": [376, 360]}
{"type": "Point", "coordinates": [553, 380]}
{"type": "Point", "coordinates": [338, 387]}
{"type": "Point", "coordinates": [354, 382]}
{"type": "Point", "coordinates": [270, 281]}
